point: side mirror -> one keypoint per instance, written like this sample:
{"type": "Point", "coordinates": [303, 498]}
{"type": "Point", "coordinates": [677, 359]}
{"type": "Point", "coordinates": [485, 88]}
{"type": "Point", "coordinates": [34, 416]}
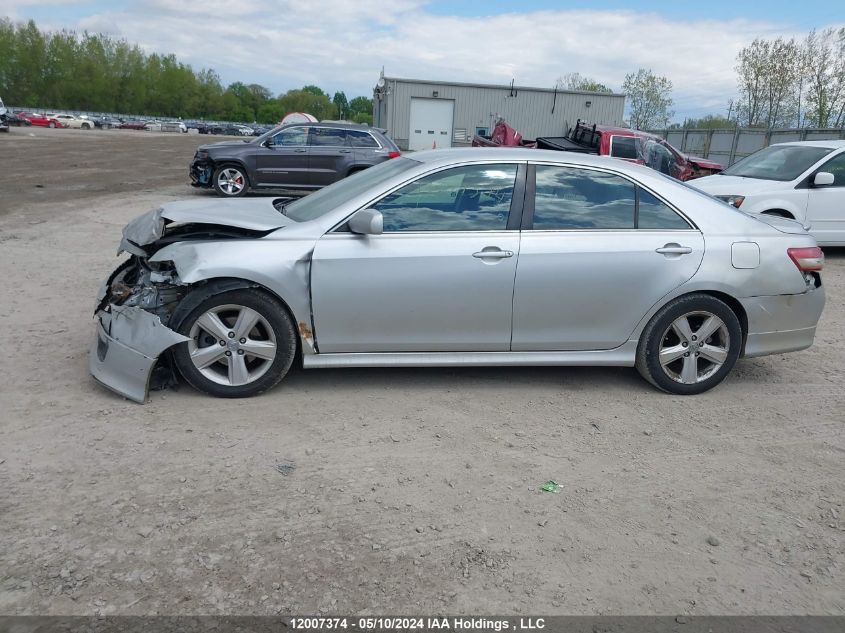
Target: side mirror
{"type": "Point", "coordinates": [823, 178]}
{"type": "Point", "coordinates": [367, 222]}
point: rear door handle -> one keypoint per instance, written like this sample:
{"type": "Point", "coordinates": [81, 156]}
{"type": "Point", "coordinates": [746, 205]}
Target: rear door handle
{"type": "Point", "coordinates": [493, 254]}
{"type": "Point", "coordinates": [673, 249]}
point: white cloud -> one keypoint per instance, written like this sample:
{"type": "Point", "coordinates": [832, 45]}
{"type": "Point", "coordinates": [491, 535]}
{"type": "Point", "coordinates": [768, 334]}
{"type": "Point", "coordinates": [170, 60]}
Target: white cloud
{"type": "Point", "coordinates": [339, 44]}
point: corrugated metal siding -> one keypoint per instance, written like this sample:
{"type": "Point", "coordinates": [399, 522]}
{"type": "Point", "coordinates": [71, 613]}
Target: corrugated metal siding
{"type": "Point", "coordinates": [529, 112]}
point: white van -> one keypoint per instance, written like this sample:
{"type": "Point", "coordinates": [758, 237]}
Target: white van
{"type": "Point", "coordinates": [803, 180]}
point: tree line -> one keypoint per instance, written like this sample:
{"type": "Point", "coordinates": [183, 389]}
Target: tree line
{"type": "Point", "coordinates": [93, 72]}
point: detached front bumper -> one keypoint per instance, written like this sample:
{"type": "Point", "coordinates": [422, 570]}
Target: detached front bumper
{"type": "Point", "coordinates": [127, 344]}
{"type": "Point", "coordinates": [782, 323]}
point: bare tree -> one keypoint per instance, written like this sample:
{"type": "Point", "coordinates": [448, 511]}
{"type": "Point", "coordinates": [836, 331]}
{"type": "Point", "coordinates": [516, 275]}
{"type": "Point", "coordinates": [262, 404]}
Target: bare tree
{"type": "Point", "coordinates": [825, 70]}
{"type": "Point", "coordinates": [751, 69]}
{"type": "Point", "coordinates": [649, 99]}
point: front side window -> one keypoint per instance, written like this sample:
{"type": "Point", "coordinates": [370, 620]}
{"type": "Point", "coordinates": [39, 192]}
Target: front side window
{"type": "Point", "coordinates": [326, 137]}
{"type": "Point", "coordinates": [292, 137]}
{"type": "Point", "coordinates": [469, 198]}
{"type": "Point", "coordinates": [572, 198]}
{"type": "Point", "coordinates": [836, 166]}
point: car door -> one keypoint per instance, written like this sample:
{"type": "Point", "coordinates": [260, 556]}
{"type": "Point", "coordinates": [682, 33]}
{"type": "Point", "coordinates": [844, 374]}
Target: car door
{"type": "Point", "coordinates": [597, 252]}
{"type": "Point", "coordinates": [440, 277]}
{"type": "Point", "coordinates": [826, 204]}
{"type": "Point", "coordinates": [366, 148]}
{"type": "Point", "coordinates": [329, 155]}
{"type": "Point", "coordinates": [283, 159]}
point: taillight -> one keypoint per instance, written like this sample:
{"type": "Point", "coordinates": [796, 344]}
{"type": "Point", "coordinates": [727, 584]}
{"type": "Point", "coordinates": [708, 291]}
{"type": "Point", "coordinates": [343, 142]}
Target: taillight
{"type": "Point", "coordinates": [808, 259]}
{"type": "Point", "coordinates": [393, 154]}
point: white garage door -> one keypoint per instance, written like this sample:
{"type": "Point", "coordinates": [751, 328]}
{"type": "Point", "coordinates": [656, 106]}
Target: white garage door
{"type": "Point", "coordinates": [431, 123]}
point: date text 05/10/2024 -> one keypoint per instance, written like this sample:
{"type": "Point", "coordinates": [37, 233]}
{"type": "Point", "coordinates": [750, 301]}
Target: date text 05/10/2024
{"type": "Point", "coordinates": [477, 625]}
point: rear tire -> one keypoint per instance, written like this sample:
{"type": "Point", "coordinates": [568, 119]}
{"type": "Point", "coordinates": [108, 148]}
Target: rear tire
{"type": "Point", "coordinates": [51, 125]}
{"type": "Point", "coordinates": [230, 181]}
{"type": "Point", "coordinates": [690, 345]}
{"type": "Point", "coordinates": [86, 126]}
{"type": "Point", "coordinates": [246, 320]}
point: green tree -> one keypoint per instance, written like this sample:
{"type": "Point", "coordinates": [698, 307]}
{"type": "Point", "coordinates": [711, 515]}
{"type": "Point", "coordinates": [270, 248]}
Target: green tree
{"type": "Point", "coordinates": [648, 98]}
{"type": "Point", "coordinates": [341, 104]}
{"type": "Point", "coordinates": [574, 81]}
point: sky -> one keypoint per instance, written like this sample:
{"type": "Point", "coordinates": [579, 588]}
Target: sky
{"type": "Point", "coordinates": [344, 44]}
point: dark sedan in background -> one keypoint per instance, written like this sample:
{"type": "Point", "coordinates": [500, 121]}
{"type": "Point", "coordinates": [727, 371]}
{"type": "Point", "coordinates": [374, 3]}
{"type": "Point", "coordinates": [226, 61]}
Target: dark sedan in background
{"type": "Point", "coordinates": [303, 156]}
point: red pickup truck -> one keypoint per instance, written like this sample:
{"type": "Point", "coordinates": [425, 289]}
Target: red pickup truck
{"type": "Point", "coordinates": [605, 140]}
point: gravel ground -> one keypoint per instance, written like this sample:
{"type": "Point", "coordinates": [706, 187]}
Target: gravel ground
{"type": "Point", "coordinates": [373, 491]}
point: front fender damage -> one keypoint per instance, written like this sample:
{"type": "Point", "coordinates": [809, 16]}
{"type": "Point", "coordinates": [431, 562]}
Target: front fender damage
{"type": "Point", "coordinates": [128, 343]}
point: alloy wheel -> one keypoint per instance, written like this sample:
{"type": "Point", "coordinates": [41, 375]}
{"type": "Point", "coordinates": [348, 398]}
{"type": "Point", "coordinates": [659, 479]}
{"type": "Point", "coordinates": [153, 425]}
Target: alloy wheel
{"type": "Point", "coordinates": [694, 347]}
{"type": "Point", "coordinates": [231, 181]}
{"type": "Point", "coordinates": [232, 345]}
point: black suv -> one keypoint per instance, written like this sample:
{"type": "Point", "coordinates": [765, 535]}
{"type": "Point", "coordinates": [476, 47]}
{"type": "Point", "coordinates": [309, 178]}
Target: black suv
{"type": "Point", "coordinates": [303, 156]}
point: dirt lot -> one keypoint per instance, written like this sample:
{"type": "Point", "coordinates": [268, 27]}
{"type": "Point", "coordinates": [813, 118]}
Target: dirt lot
{"type": "Point", "coordinates": [408, 491]}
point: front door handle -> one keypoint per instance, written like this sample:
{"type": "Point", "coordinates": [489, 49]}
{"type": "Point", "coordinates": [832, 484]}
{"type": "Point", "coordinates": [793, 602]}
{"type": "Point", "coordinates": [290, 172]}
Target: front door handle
{"type": "Point", "coordinates": [300, 151]}
{"type": "Point", "coordinates": [673, 249]}
{"type": "Point", "coordinates": [493, 254]}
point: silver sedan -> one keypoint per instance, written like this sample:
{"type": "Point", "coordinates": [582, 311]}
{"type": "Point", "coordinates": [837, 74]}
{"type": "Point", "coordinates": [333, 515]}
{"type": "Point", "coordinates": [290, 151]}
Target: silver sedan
{"type": "Point", "coordinates": [462, 258]}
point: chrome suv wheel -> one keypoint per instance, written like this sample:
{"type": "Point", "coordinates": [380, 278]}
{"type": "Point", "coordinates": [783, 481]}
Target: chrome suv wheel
{"type": "Point", "coordinates": [230, 181]}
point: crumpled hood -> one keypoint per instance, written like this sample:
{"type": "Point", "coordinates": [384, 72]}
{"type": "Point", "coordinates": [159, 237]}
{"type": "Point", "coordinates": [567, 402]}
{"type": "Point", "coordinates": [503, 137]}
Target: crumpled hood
{"type": "Point", "coordinates": [704, 163]}
{"type": "Point", "coordinates": [251, 214]}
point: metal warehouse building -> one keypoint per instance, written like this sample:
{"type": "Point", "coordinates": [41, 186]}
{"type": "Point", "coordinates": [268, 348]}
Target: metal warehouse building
{"type": "Point", "coordinates": [419, 114]}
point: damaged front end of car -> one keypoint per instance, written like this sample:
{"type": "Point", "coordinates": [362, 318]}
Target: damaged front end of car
{"type": "Point", "coordinates": [135, 305]}
{"type": "Point", "coordinates": [133, 310]}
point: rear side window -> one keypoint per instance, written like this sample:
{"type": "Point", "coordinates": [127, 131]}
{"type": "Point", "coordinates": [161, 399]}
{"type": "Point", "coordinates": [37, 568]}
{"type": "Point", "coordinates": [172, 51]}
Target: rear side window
{"type": "Point", "coordinates": [572, 198]}
{"type": "Point", "coordinates": [327, 137]}
{"type": "Point", "coordinates": [360, 139]}
{"type": "Point", "coordinates": [654, 214]}
{"type": "Point", "coordinates": [623, 147]}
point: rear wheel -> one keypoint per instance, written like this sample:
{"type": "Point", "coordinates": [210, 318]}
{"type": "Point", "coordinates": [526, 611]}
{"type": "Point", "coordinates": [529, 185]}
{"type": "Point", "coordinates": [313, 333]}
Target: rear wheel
{"type": "Point", "coordinates": [86, 126]}
{"type": "Point", "coordinates": [242, 343]}
{"type": "Point", "coordinates": [230, 181]}
{"type": "Point", "coordinates": [51, 124]}
{"type": "Point", "coordinates": [690, 345]}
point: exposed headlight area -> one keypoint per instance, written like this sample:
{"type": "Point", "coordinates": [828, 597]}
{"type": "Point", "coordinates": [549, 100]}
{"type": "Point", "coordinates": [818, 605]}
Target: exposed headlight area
{"type": "Point", "coordinates": [734, 201]}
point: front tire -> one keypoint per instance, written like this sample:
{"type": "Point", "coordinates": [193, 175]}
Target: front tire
{"type": "Point", "coordinates": [230, 181]}
{"type": "Point", "coordinates": [51, 125]}
{"type": "Point", "coordinates": [86, 126]}
{"type": "Point", "coordinates": [690, 345]}
{"type": "Point", "coordinates": [242, 343]}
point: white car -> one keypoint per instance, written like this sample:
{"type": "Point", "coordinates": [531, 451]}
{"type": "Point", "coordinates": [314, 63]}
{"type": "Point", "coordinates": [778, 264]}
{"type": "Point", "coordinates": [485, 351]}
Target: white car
{"type": "Point", "coordinates": [71, 121]}
{"type": "Point", "coordinates": [803, 180]}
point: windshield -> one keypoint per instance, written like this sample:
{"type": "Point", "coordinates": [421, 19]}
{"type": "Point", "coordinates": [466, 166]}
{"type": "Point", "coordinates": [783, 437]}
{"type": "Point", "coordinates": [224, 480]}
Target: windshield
{"type": "Point", "coordinates": [326, 199]}
{"type": "Point", "coordinates": [778, 162]}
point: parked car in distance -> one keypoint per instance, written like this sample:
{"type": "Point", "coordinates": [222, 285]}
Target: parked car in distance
{"type": "Point", "coordinates": [544, 252]}
{"type": "Point", "coordinates": [133, 125]}
{"type": "Point", "coordinates": [804, 180]}
{"type": "Point", "coordinates": [4, 126]}
{"type": "Point", "coordinates": [298, 156]}
{"type": "Point", "coordinates": [71, 121]}
{"type": "Point", "coordinates": [17, 120]}
{"type": "Point", "coordinates": [41, 120]}
{"type": "Point", "coordinates": [105, 122]}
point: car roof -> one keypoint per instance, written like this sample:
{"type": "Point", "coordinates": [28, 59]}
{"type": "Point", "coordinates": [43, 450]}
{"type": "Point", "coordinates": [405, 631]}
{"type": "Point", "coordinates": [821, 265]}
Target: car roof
{"type": "Point", "coordinates": [832, 143]}
{"type": "Point", "coordinates": [332, 124]}
{"type": "Point", "coordinates": [508, 154]}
